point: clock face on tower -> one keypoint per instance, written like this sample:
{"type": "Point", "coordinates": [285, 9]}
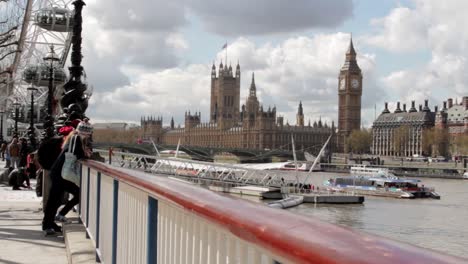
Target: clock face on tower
{"type": "Point", "coordinates": [355, 83]}
{"type": "Point", "coordinates": [342, 84]}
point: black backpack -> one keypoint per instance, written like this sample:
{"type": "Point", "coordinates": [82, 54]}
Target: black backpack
{"type": "Point", "coordinates": [48, 152]}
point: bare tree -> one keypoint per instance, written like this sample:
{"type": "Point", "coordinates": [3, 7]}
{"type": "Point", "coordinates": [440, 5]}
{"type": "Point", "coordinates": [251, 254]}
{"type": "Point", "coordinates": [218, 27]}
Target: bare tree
{"type": "Point", "coordinates": [8, 43]}
{"type": "Point", "coordinates": [9, 47]}
{"type": "Point", "coordinates": [360, 141]}
{"type": "Point", "coordinates": [436, 141]}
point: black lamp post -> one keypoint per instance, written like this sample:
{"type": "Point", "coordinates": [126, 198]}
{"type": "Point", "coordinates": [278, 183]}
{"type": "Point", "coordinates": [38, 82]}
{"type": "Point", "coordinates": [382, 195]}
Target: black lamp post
{"type": "Point", "coordinates": [51, 58]}
{"type": "Point", "coordinates": [75, 98]}
{"type": "Point", "coordinates": [1, 126]}
{"type": "Point", "coordinates": [16, 105]}
{"type": "Point", "coordinates": [32, 130]}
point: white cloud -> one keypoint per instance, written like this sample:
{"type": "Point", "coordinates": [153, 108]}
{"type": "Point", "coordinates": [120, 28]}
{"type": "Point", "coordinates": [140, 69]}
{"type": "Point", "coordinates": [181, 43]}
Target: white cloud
{"type": "Point", "coordinates": [245, 17]}
{"type": "Point", "coordinates": [403, 29]}
{"type": "Point", "coordinates": [297, 69]}
{"type": "Point", "coordinates": [169, 93]}
{"type": "Point", "coordinates": [445, 74]}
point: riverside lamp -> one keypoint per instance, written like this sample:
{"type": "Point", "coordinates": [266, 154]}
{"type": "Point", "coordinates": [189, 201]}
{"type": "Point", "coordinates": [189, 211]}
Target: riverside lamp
{"type": "Point", "coordinates": [51, 59]}
{"type": "Point", "coordinates": [31, 129]}
{"type": "Point", "coordinates": [1, 125]}
{"type": "Point", "coordinates": [16, 105]}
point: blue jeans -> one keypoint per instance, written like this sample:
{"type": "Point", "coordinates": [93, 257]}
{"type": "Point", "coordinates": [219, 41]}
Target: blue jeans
{"type": "Point", "coordinates": [14, 162]}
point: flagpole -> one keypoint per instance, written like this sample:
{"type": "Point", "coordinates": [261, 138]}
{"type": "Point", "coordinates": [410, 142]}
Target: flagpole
{"type": "Point", "coordinates": [226, 52]}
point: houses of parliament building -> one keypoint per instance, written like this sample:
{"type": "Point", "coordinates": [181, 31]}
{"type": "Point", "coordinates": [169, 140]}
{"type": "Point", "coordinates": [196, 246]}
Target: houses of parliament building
{"type": "Point", "coordinates": [251, 126]}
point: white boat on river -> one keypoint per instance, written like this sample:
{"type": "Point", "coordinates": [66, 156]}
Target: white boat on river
{"type": "Point", "coordinates": [380, 182]}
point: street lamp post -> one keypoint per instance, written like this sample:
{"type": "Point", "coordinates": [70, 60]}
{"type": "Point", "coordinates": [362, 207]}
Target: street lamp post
{"type": "Point", "coordinates": [51, 58]}
{"type": "Point", "coordinates": [16, 105]}
{"type": "Point", "coordinates": [32, 130]}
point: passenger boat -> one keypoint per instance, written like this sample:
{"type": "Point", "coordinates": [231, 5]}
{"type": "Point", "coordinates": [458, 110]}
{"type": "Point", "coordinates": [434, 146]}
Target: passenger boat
{"type": "Point", "coordinates": [364, 170]}
{"type": "Point", "coordinates": [301, 166]}
{"type": "Point", "coordinates": [380, 182]}
{"type": "Point", "coordinates": [288, 165]}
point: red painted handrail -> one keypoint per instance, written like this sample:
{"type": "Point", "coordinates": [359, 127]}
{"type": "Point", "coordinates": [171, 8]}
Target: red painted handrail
{"type": "Point", "coordinates": [294, 237]}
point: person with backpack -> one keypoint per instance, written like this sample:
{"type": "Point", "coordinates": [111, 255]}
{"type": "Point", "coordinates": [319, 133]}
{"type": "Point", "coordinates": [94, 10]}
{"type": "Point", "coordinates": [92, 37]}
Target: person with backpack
{"type": "Point", "coordinates": [64, 177]}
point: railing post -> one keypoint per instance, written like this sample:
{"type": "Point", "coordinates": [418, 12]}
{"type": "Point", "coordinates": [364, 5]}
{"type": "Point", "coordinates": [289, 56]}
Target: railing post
{"type": "Point", "coordinates": [98, 213]}
{"type": "Point", "coordinates": [152, 231]}
{"type": "Point", "coordinates": [87, 201]}
{"type": "Point", "coordinates": [81, 195]}
{"type": "Point", "coordinates": [115, 212]}
{"type": "Point", "coordinates": [110, 155]}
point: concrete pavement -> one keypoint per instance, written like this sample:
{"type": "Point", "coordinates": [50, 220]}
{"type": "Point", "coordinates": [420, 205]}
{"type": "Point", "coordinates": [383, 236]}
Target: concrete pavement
{"type": "Point", "coordinates": [21, 236]}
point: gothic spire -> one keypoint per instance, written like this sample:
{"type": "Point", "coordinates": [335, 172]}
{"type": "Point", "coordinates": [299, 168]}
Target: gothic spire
{"type": "Point", "coordinates": [350, 64]}
{"type": "Point", "coordinates": [253, 88]}
{"type": "Point", "coordinates": [300, 111]}
{"type": "Point", "coordinates": [351, 50]}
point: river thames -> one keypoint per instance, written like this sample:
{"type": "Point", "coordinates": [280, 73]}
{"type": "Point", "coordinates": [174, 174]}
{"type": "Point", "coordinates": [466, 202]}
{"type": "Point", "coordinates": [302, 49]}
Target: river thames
{"type": "Point", "coordinates": [435, 224]}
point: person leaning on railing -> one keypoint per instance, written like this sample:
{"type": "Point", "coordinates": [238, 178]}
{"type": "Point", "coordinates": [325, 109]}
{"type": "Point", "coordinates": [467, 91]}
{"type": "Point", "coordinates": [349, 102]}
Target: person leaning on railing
{"type": "Point", "coordinates": [64, 176]}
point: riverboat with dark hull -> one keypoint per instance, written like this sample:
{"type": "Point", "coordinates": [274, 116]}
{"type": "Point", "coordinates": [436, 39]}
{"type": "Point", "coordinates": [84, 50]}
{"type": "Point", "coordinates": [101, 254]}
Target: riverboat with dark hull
{"type": "Point", "coordinates": [382, 184]}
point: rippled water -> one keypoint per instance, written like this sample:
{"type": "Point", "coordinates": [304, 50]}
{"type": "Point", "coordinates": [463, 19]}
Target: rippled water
{"type": "Point", "coordinates": [436, 224]}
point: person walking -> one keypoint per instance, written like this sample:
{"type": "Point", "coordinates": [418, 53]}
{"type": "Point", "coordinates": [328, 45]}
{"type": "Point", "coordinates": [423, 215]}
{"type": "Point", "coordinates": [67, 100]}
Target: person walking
{"type": "Point", "coordinates": [7, 157]}
{"type": "Point", "coordinates": [23, 153]}
{"type": "Point", "coordinates": [14, 151]}
{"type": "Point", "coordinates": [73, 149]}
{"type": "Point", "coordinates": [32, 165]}
{"type": "Point", "coordinates": [3, 148]}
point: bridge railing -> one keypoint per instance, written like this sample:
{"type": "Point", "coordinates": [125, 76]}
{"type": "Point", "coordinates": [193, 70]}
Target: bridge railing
{"type": "Point", "coordinates": [135, 217]}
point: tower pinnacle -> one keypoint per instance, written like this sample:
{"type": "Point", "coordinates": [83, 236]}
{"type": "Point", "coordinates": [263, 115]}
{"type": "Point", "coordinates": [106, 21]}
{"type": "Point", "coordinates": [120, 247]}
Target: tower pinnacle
{"type": "Point", "coordinates": [300, 110]}
{"type": "Point", "coordinates": [351, 50]}
{"type": "Point", "coordinates": [253, 88]}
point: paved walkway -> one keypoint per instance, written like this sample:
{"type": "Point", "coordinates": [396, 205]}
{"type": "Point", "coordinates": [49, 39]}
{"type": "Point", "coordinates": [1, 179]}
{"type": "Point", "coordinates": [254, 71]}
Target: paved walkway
{"type": "Point", "coordinates": [21, 237]}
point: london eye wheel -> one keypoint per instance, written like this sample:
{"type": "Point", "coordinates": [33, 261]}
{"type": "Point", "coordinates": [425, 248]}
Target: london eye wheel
{"type": "Point", "coordinates": [35, 26]}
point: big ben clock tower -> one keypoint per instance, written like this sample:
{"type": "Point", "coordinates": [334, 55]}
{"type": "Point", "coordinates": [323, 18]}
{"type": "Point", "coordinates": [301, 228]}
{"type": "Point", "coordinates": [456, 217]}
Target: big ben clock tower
{"type": "Point", "coordinates": [349, 98]}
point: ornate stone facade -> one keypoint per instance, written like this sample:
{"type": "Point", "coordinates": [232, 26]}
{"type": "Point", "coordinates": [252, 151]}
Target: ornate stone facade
{"type": "Point", "coordinates": [250, 127]}
{"type": "Point", "coordinates": [454, 117]}
{"type": "Point", "coordinates": [349, 98]}
{"type": "Point", "coordinates": [401, 133]}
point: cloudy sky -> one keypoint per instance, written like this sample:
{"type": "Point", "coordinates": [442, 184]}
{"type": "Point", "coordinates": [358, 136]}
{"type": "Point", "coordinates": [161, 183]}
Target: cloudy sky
{"type": "Point", "coordinates": [154, 57]}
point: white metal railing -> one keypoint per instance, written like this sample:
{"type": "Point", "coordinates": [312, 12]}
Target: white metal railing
{"type": "Point", "coordinates": [197, 170]}
{"type": "Point", "coordinates": [133, 217]}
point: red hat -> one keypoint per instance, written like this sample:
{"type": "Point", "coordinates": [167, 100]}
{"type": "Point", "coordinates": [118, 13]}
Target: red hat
{"type": "Point", "coordinates": [64, 131]}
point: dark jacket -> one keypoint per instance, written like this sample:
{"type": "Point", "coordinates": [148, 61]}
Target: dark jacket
{"type": "Point", "coordinates": [48, 152]}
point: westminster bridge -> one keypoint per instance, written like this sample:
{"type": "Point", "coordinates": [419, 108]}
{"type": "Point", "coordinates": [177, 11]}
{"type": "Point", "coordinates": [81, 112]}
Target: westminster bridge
{"type": "Point", "coordinates": [209, 153]}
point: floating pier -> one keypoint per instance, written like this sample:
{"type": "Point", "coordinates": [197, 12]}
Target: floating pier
{"type": "Point", "coordinates": [333, 199]}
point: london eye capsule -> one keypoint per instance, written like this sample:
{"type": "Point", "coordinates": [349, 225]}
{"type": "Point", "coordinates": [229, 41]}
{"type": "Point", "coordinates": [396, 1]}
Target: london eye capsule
{"type": "Point", "coordinates": [39, 75]}
{"type": "Point", "coordinates": [55, 19]}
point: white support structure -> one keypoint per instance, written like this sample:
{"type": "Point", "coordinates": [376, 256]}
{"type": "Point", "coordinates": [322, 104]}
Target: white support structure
{"type": "Point", "coordinates": [199, 170]}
